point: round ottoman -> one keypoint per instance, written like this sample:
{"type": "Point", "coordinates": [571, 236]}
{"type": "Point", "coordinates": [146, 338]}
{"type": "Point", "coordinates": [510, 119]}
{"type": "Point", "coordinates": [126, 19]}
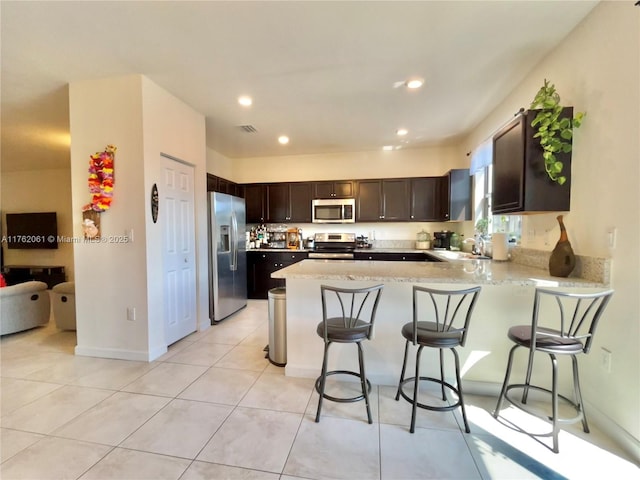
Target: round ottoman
{"type": "Point", "coordinates": [64, 305]}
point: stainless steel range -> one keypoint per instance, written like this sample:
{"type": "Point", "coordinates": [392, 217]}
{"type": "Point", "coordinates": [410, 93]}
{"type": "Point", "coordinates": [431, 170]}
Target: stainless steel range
{"type": "Point", "coordinates": [333, 246]}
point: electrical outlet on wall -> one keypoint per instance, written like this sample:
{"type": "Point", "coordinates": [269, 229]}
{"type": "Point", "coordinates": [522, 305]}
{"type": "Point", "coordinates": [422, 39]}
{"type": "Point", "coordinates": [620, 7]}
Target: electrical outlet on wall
{"type": "Point", "coordinates": [612, 233]}
{"type": "Point", "coordinates": [605, 359]}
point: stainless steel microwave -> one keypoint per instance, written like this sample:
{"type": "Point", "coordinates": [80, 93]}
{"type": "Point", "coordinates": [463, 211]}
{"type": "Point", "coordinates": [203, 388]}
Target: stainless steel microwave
{"type": "Point", "coordinates": [334, 210]}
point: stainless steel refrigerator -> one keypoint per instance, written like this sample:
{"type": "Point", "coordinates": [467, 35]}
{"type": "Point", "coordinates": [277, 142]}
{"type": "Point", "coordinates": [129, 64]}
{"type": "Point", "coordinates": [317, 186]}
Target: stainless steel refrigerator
{"type": "Point", "coordinates": [227, 256]}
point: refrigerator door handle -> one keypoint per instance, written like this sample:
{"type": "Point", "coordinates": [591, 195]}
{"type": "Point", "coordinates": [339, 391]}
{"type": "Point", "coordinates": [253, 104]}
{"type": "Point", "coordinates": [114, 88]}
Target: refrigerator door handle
{"type": "Point", "coordinates": [234, 242]}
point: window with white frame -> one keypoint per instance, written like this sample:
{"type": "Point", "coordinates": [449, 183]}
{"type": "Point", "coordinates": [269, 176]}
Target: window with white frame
{"type": "Point", "coordinates": [485, 222]}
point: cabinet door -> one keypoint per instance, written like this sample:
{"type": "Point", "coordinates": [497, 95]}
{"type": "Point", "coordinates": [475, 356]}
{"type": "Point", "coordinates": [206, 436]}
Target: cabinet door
{"type": "Point", "coordinates": [323, 190]}
{"type": "Point", "coordinates": [508, 168]}
{"type": "Point", "coordinates": [456, 195]}
{"type": "Point", "coordinates": [460, 195]}
{"type": "Point", "coordinates": [392, 257]}
{"type": "Point", "coordinates": [277, 202]}
{"type": "Point", "coordinates": [334, 189]}
{"type": "Point", "coordinates": [212, 183]}
{"type": "Point", "coordinates": [343, 189]}
{"type": "Point", "coordinates": [425, 199]}
{"type": "Point", "coordinates": [395, 200]}
{"type": "Point", "coordinates": [368, 202]}
{"type": "Point", "coordinates": [300, 202]}
{"type": "Point", "coordinates": [225, 186]}
{"type": "Point", "coordinates": [254, 195]}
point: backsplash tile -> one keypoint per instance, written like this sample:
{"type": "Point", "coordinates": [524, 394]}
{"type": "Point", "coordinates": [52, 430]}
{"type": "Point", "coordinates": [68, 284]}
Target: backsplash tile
{"type": "Point", "coordinates": [595, 269]}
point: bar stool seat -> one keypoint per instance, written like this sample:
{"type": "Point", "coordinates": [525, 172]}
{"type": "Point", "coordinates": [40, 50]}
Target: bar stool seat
{"type": "Point", "coordinates": [347, 317]}
{"type": "Point", "coordinates": [571, 320]}
{"type": "Point", "coordinates": [450, 313]}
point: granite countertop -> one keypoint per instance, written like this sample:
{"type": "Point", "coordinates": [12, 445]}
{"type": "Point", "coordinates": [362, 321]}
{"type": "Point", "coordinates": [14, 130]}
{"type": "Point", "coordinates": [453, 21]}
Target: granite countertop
{"type": "Point", "coordinates": [467, 271]}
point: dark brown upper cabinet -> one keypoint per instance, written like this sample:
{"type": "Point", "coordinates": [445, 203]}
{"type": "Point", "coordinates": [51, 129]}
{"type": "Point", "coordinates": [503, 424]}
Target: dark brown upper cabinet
{"type": "Point", "coordinates": [520, 182]}
{"type": "Point", "coordinates": [334, 189]}
{"type": "Point", "coordinates": [383, 200]}
{"type": "Point", "coordinates": [456, 196]}
{"type": "Point", "coordinates": [425, 199]}
{"type": "Point", "coordinates": [222, 185]}
{"type": "Point", "coordinates": [255, 201]}
{"type": "Point", "coordinates": [289, 202]}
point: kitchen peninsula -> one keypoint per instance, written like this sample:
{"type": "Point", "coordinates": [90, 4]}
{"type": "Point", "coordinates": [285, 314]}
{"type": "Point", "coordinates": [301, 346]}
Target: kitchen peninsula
{"type": "Point", "coordinates": [506, 300]}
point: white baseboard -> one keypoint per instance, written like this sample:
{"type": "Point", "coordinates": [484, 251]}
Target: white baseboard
{"type": "Point", "coordinates": [120, 354]}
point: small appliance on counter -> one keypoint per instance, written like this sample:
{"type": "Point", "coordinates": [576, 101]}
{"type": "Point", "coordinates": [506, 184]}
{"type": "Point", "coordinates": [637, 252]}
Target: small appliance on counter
{"type": "Point", "coordinates": [277, 239]}
{"type": "Point", "coordinates": [362, 242]}
{"type": "Point", "coordinates": [294, 239]}
{"type": "Point", "coordinates": [423, 242]}
{"type": "Point", "coordinates": [442, 240]}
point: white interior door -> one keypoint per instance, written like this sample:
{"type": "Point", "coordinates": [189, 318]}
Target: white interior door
{"type": "Point", "coordinates": [178, 211]}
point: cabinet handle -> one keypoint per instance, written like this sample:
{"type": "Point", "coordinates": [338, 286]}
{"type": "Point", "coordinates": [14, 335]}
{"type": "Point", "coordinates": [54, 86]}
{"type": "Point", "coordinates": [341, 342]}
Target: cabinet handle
{"type": "Point", "coordinates": [404, 258]}
{"type": "Point", "coordinates": [412, 216]}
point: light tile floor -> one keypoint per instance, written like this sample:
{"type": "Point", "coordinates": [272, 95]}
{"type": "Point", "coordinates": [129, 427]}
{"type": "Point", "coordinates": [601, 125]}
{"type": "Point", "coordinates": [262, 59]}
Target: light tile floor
{"type": "Point", "coordinates": [214, 408]}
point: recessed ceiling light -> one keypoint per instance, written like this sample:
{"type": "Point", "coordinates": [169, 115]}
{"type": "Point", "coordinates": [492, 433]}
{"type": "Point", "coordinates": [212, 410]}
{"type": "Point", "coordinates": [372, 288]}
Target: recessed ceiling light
{"type": "Point", "coordinates": [245, 101]}
{"type": "Point", "coordinates": [283, 139]}
{"type": "Point", "coordinates": [401, 132]}
{"type": "Point", "coordinates": [387, 148]}
{"type": "Point", "coordinates": [414, 83]}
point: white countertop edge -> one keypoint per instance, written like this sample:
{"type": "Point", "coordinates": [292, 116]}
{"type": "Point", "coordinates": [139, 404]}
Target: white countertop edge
{"type": "Point", "coordinates": [481, 272]}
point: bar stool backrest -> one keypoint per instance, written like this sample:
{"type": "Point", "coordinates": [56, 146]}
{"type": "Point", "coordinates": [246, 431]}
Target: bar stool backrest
{"type": "Point", "coordinates": [576, 317]}
{"type": "Point", "coordinates": [449, 310]}
{"type": "Point", "coordinates": [352, 305]}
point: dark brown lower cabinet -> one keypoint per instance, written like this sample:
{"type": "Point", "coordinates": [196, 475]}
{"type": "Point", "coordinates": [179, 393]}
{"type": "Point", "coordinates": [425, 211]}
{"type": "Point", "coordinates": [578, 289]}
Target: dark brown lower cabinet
{"type": "Point", "coordinates": [260, 266]}
{"type": "Point", "coordinates": [395, 257]}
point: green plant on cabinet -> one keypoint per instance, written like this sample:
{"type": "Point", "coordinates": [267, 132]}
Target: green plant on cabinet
{"type": "Point", "coordinates": [555, 133]}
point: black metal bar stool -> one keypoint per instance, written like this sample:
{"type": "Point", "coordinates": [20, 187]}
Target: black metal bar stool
{"type": "Point", "coordinates": [571, 321]}
{"type": "Point", "coordinates": [347, 317]}
{"type": "Point", "coordinates": [448, 313]}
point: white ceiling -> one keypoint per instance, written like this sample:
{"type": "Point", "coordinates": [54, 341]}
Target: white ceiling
{"type": "Point", "coordinates": [322, 73]}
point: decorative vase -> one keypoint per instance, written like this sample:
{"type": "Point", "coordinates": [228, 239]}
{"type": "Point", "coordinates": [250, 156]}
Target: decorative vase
{"type": "Point", "coordinates": [562, 260]}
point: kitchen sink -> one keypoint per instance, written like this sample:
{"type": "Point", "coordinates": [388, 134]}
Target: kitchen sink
{"type": "Point", "coordinates": [453, 255]}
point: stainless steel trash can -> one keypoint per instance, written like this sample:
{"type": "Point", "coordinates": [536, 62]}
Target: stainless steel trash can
{"type": "Point", "coordinates": [278, 326]}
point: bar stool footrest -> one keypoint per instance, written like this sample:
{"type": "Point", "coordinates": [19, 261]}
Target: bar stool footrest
{"type": "Point", "coordinates": [443, 408]}
{"type": "Point", "coordinates": [343, 400]}
{"type": "Point", "coordinates": [530, 410]}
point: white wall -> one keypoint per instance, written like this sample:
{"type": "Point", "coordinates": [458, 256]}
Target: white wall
{"type": "Point", "coordinates": [109, 276]}
{"type": "Point", "coordinates": [219, 165]}
{"type": "Point", "coordinates": [171, 127]}
{"type": "Point", "coordinates": [141, 121]}
{"type": "Point", "coordinates": [596, 69]}
{"type": "Point", "coordinates": [40, 191]}
{"type": "Point", "coordinates": [355, 165]}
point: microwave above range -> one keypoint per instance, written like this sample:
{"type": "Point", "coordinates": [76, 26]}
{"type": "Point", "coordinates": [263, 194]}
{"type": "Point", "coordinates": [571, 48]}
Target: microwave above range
{"type": "Point", "coordinates": [335, 210]}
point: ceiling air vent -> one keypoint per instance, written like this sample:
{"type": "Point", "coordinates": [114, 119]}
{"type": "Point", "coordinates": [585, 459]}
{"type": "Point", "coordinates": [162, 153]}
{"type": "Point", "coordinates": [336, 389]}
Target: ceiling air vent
{"type": "Point", "coordinates": [248, 128]}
